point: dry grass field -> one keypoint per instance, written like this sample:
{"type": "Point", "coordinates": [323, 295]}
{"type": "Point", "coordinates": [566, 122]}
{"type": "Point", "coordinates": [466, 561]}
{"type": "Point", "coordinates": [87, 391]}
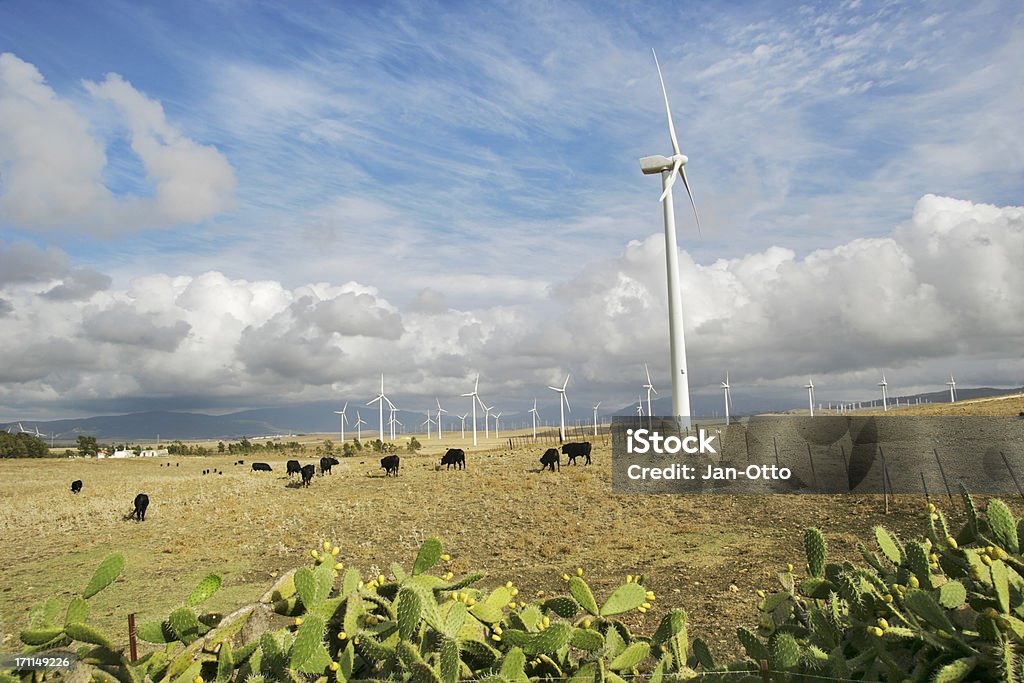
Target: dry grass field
{"type": "Point", "coordinates": [707, 554]}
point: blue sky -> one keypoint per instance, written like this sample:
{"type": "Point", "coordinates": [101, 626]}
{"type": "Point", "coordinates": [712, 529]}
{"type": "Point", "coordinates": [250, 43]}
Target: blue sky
{"type": "Point", "coordinates": [472, 169]}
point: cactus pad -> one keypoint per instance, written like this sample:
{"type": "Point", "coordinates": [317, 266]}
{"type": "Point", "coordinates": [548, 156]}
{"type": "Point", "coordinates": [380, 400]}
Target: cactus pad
{"type": "Point", "coordinates": [204, 591]}
{"type": "Point", "coordinates": [430, 553]}
{"type": "Point", "coordinates": [952, 595]}
{"type": "Point", "coordinates": [814, 546]}
{"type": "Point", "coordinates": [888, 546]}
{"type": "Point", "coordinates": [783, 650]}
{"type": "Point", "coordinates": [1003, 525]}
{"type": "Point", "coordinates": [408, 609]}
{"type": "Point", "coordinates": [87, 634]}
{"type": "Point", "coordinates": [105, 574]}
{"type": "Point", "coordinates": [631, 656]}
{"type": "Point", "coordinates": [626, 597]}
{"type": "Point", "coordinates": [581, 592]}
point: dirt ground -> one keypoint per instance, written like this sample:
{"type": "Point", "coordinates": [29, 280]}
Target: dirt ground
{"type": "Point", "coordinates": [707, 554]}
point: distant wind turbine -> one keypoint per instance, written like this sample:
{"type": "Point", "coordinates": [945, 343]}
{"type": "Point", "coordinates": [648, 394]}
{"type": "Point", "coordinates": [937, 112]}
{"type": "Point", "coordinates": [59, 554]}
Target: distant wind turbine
{"type": "Point", "coordinates": [487, 421]}
{"type": "Point", "coordinates": [392, 421]}
{"type": "Point", "coordinates": [649, 387]}
{"type": "Point", "coordinates": [951, 384]}
{"type": "Point", "coordinates": [596, 406]}
{"type": "Point", "coordinates": [343, 419]}
{"type": "Point", "coordinates": [463, 418]}
{"type": "Point", "coordinates": [728, 397]}
{"type": "Point", "coordinates": [671, 168]}
{"type": "Point", "coordinates": [533, 411]}
{"type": "Point", "coordinates": [563, 403]}
{"type": "Point", "coordinates": [810, 394]}
{"type": "Point", "coordinates": [497, 416]}
{"type": "Point", "coordinates": [359, 427]}
{"type": "Point", "coordinates": [381, 398]}
{"type": "Point", "coordinates": [885, 394]}
{"type": "Point", "coordinates": [429, 421]}
{"type": "Point", "coordinates": [440, 410]}
{"type": "Point", "coordinates": [474, 398]}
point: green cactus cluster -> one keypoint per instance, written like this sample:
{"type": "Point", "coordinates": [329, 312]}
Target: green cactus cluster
{"type": "Point", "coordinates": [945, 608]}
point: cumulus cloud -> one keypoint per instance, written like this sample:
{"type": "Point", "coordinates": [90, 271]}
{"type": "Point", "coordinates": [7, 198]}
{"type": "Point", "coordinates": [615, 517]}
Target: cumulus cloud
{"type": "Point", "coordinates": [54, 160]}
{"type": "Point", "coordinates": [940, 290]}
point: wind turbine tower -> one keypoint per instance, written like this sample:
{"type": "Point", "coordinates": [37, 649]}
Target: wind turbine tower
{"type": "Point", "coordinates": [810, 394]}
{"type": "Point", "coordinates": [671, 168]}
{"type": "Point", "coordinates": [885, 393]}
{"type": "Point", "coordinates": [359, 427]}
{"type": "Point", "coordinates": [598, 405]}
{"type": "Point", "coordinates": [649, 387]}
{"type": "Point", "coordinates": [952, 388]}
{"type": "Point", "coordinates": [440, 410]}
{"type": "Point", "coordinates": [533, 411]}
{"type": "Point", "coordinates": [381, 398]}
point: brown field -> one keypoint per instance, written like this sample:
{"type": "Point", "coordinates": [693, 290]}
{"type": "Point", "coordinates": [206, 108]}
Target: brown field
{"type": "Point", "coordinates": [707, 554]}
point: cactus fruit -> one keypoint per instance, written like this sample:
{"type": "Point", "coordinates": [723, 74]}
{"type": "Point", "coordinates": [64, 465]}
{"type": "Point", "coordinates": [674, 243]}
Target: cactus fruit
{"type": "Point", "coordinates": [814, 545]}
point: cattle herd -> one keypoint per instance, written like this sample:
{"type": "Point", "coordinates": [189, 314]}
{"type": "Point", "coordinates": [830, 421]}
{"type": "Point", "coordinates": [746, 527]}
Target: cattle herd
{"type": "Point", "coordinates": [453, 457]}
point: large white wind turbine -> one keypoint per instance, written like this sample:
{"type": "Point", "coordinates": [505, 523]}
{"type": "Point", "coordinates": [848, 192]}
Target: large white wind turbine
{"type": "Point", "coordinates": [951, 384]}
{"type": "Point", "coordinates": [429, 421]}
{"type": "Point", "coordinates": [497, 416]}
{"type": "Point", "coordinates": [885, 393]}
{"type": "Point", "coordinates": [343, 419]}
{"type": "Point", "coordinates": [392, 421]}
{"type": "Point", "coordinates": [670, 169]}
{"type": "Point", "coordinates": [563, 403]}
{"type": "Point", "coordinates": [381, 398]}
{"type": "Point", "coordinates": [359, 427]}
{"type": "Point", "coordinates": [533, 411]}
{"type": "Point", "coordinates": [487, 419]}
{"type": "Point", "coordinates": [440, 410]}
{"type": "Point", "coordinates": [810, 394]}
{"type": "Point", "coordinates": [463, 418]}
{"type": "Point", "coordinates": [474, 397]}
{"type": "Point", "coordinates": [728, 397]}
{"type": "Point", "coordinates": [596, 406]}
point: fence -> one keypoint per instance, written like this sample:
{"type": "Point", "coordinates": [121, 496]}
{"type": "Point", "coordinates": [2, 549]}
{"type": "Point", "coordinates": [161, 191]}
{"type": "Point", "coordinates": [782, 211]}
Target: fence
{"type": "Point", "coordinates": [551, 437]}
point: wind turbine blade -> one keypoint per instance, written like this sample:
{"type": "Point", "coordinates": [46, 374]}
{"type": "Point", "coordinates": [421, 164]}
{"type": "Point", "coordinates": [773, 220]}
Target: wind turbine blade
{"type": "Point", "coordinates": [566, 383]}
{"type": "Point", "coordinates": [566, 399]}
{"type": "Point", "coordinates": [553, 388]}
{"type": "Point", "coordinates": [646, 370]}
{"type": "Point", "coordinates": [676, 167]}
{"type": "Point", "coordinates": [668, 109]}
{"type": "Point", "coordinates": [682, 173]}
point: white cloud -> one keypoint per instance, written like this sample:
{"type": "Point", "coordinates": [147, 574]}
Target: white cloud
{"type": "Point", "coordinates": [54, 161]}
{"type": "Point", "coordinates": [941, 290]}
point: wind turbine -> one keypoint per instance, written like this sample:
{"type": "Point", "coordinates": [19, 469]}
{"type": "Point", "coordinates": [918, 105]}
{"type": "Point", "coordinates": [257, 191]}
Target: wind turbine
{"type": "Point", "coordinates": [392, 421]}
{"type": "Point", "coordinates": [487, 415]}
{"type": "Point", "coordinates": [439, 411]}
{"type": "Point", "coordinates": [728, 397]}
{"type": "Point", "coordinates": [639, 406]}
{"type": "Point", "coordinates": [951, 384]}
{"type": "Point", "coordinates": [359, 427]}
{"type": "Point", "coordinates": [649, 387]}
{"type": "Point", "coordinates": [885, 393]}
{"type": "Point", "coordinates": [463, 418]}
{"type": "Point", "coordinates": [381, 398]}
{"type": "Point", "coordinates": [343, 419]}
{"type": "Point", "coordinates": [497, 417]}
{"type": "Point", "coordinates": [810, 394]}
{"type": "Point", "coordinates": [670, 169]}
{"type": "Point", "coordinates": [563, 403]}
{"type": "Point", "coordinates": [429, 421]}
{"type": "Point", "coordinates": [533, 411]}
{"type": "Point", "coordinates": [473, 399]}
{"type": "Point", "coordinates": [596, 406]}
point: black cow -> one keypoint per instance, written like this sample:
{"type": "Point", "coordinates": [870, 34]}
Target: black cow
{"type": "Point", "coordinates": [141, 503]}
{"type": "Point", "coordinates": [456, 457]}
{"type": "Point", "coordinates": [293, 467]}
{"type": "Point", "coordinates": [326, 464]}
{"type": "Point", "coordinates": [261, 467]}
{"type": "Point", "coordinates": [577, 450]}
{"type": "Point", "coordinates": [307, 473]}
{"type": "Point", "coordinates": [550, 459]}
{"type": "Point", "coordinates": [76, 486]}
{"type": "Point", "coordinates": [389, 464]}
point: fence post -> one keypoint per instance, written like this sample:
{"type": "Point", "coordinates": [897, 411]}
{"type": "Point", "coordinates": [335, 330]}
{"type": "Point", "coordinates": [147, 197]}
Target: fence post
{"type": "Point", "coordinates": [763, 667]}
{"type": "Point", "coordinates": [132, 643]}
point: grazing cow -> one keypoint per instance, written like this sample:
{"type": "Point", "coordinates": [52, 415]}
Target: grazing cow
{"type": "Point", "coordinates": [389, 464]}
{"type": "Point", "coordinates": [577, 450]}
{"type": "Point", "coordinates": [293, 467]}
{"type": "Point", "coordinates": [325, 465]}
{"type": "Point", "coordinates": [141, 503]}
{"type": "Point", "coordinates": [307, 473]}
{"type": "Point", "coordinates": [550, 459]}
{"type": "Point", "coordinates": [76, 486]}
{"type": "Point", "coordinates": [261, 467]}
{"type": "Point", "coordinates": [456, 457]}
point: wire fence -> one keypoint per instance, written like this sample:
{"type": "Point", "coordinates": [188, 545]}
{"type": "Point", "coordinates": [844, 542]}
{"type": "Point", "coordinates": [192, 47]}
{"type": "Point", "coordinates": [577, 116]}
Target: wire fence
{"type": "Point", "coordinates": [552, 437]}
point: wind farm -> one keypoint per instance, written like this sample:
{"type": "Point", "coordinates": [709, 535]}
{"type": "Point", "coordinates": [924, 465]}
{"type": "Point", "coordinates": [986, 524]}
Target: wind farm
{"type": "Point", "coordinates": [268, 211]}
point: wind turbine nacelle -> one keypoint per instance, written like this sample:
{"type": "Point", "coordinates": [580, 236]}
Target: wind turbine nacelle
{"type": "Point", "coordinates": [659, 164]}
